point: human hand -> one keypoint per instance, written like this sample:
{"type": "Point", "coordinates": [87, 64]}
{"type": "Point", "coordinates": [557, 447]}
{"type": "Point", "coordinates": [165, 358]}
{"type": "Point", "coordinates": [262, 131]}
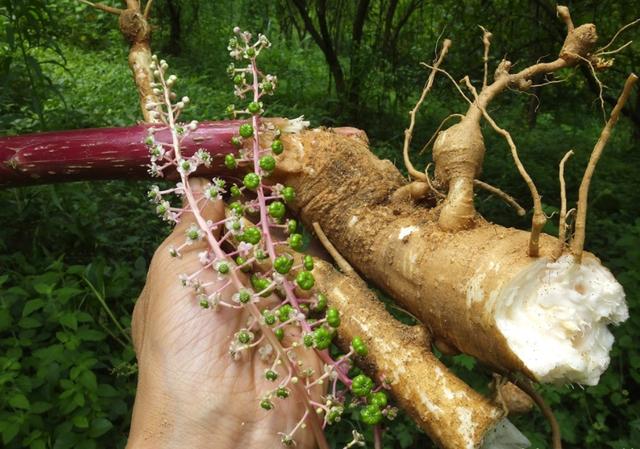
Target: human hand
{"type": "Point", "coordinates": [191, 393]}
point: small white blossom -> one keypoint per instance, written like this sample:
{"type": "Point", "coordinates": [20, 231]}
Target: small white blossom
{"type": "Point", "coordinates": [265, 352]}
{"type": "Point", "coordinates": [194, 234]}
{"type": "Point", "coordinates": [244, 248]}
{"type": "Point", "coordinates": [203, 257]}
{"type": "Point", "coordinates": [186, 167]}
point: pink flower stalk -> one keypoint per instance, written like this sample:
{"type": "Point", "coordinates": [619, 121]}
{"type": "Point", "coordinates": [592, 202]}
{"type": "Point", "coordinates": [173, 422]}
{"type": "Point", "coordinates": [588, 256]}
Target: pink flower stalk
{"type": "Point", "coordinates": [245, 246]}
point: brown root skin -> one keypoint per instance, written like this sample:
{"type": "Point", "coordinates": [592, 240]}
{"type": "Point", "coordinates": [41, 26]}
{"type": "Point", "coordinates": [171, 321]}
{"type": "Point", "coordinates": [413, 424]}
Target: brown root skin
{"type": "Point", "coordinates": [459, 151]}
{"type": "Point", "coordinates": [449, 411]}
{"type": "Point", "coordinates": [511, 398]}
{"type": "Point", "coordinates": [401, 247]}
{"type": "Point", "coordinates": [137, 31]}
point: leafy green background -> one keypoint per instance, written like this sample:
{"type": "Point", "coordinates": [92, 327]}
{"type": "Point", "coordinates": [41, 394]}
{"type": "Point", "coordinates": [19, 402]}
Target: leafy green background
{"type": "Point", "coordinates": [73, 257]}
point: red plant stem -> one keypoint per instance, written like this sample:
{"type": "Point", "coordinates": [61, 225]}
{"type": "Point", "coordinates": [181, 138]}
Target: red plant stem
{"type": "Point", "coordinates": [103, 153]}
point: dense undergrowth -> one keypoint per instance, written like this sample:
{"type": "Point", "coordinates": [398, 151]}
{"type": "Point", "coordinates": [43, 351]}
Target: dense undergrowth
{"type": "Point", "coordinates": [73, 257]}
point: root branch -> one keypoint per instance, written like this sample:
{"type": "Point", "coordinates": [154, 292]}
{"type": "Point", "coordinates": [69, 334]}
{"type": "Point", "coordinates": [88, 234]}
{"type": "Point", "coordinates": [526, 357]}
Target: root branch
{"type": "Point", "coordinates": [577, 244]}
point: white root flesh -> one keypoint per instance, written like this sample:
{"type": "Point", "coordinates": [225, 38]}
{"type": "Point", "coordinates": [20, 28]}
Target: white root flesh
{"type": "Point", "coordinates": [554, 316]}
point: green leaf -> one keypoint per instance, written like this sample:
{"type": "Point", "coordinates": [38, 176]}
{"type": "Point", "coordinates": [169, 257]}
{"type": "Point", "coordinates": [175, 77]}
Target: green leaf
{"type": "Point", "coordinates": [29, 322]}
{"type": "Point", "coordinates": [80, 421]}
{"type": "Point", "coordinates": [89, 380]}
{"type": "Point", "coordinates": [99, 426]}
{"type": "Point", "coordinates": [90, 335]}
{"type": "Point", "coordinates": [69, 320]}
{"type": "Point", "coordinates": [19, 400]}
{"type": "Point", "coordinates": [43, 289]}
{"type": "Point", "coordinates": [40, 407]}
{"type": "Point", "coordinates": [9, 432]}
{"type": "Point", "coordinates": [32, 305]}
{"type": "Point", "coordinates": [5, 319]}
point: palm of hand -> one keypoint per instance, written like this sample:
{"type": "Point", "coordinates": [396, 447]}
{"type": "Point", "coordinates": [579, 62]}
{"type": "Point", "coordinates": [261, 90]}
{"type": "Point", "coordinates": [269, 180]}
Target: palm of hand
{"type": "Point", "coordinates": [190, 391]}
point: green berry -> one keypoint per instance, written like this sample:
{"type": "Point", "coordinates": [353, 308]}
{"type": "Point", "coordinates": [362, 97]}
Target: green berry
{"type": "Point", "coordinates": [283, 264]}
{"type": "Point", "coordinates": [277, 209]}
{"type": "Point", "coordinates": [306, 281]}
{"type": "Point", "coordinates": [308, 262]}
{"type": "Point", "coordinates": [244, 337]}
{"type": "Point", "coordinates": [260, 284]}
{"type": "Point", "coordinates": [271, 375]}
{"type": "Point", "coordinates": [238, 80]}
{"type": "Point", "coordinates": [244, 296]}
{"type": "Point", "coordinates": [230, 111]}
{"type": "Point", "coordinates": [246, 130]}
{"type": "Point", "coordinates": [295, 241]}
{"type": "Point", "coordinates": [251, 52]}
{"type": "Point", "coordinates": [266, 404]}
{"type": "Point", "coordinates": [230, 161]}
{"type": "Point", "coordinates": [251, 235]}
{"type": "Point", "coordinates": [279, 333]}
{"type": "Point", "coordinates": [370, 415]}
{"type": "Point", "coordinates": [267, 86]}
{"type": "Point", "coordinates": [204, 304]}
{"type": "Point", "coordinates": [358, 346]}
{"type": "Point", "coordinates": [260, 255]}
{"type": "Point", "coordinates": [277, 147]}
{"type": "Point", "coordinates": [235, 190]}
{"type": "Point", "coordinates": [322, 338]}
{"type": "Point", "coordinates": [237, 207]}
{"type": "Point", "coordinates": [284, 312]}
{"type": "Point", "coordinates": [292, 225]}
{"type": "Point", "coordinates": [321, 304]}
{"type": "Point", "coordinates": [282, 393]}
{"type": "Point", "coordinates": [378, 399]}
{"type": "Point", "coordinates": [269, 318]}
{"type": "Point", "coordinates": [289, 194]}
{"type": "Point", "coordinates": [267, 163]}
{"type": "Point", "coordinates": [254, 107]}
{"type": "Point", "coordinates": [307, 340]}
{"type": "Point", "coordinates": [333, 317]}
{"type": "Point", "coordinates": [236, 142]}
{"type": "Point", "coordinates": [361, 385]}
{"type": "Point", "coordinates": [251, 181]}
{"type": "Point", "coordinates": [223, 268]}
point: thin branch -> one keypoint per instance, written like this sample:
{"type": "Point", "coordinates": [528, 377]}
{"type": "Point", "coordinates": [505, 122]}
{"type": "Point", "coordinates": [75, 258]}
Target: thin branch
{"type": "Point", "coordinates": [341, 261]}
{"type": "Point", "coordinates": [486, 41]}
{"type": "Point", "coordinates": [502, 195]}
{"type": "Point", "coordinates": [450, 78]}
{"type": "Point", "coordinates": [622, 47]}
{"type": "Point", "coordinates": [103, 7]}
{"type": "Point", "coordinates": [615, 36]}
{"type": "Point", "coordinates": [539, 218]}
{"type": "Point", "coordinates": [408, 134]}
{"type": "Point", "coordinates": [428, 179]}
{"type": "Point", "coordinates": [433, 137]}
{"type": "Point", "coordinates": [562, 225]}
{"type": "Point", "coordinates": [147, 9]}
{"type": "Point", "coordinates": [577, 244]}
{"type": "Point", "coordinates": [527, 387]}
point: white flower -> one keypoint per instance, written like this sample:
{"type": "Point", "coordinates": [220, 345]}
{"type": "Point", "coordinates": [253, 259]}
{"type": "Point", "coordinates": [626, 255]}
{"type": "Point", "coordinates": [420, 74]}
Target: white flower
{"type": "Point", "coordinates": [179, 190]}
{"type": "Point", "coordinates": [265, 352]}
{"type": "Point", "coordinates": [214, 299]}
{"type": "Point", "coordinates": [154, 194]}
{"type": "Point", "coordinates": [203, 256]}
{"type": "Point", "coordinates": [194, 234]}
{"type": "Point", "coordinates": [244, 248]}
{"type": "Point", "coordinates": [184, 280]}
{"type": "Point", "coordinates": [186, 167]}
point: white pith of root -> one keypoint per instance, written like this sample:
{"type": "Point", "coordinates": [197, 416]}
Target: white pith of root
{"type": "Point", "coordinates": [554, 316]}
